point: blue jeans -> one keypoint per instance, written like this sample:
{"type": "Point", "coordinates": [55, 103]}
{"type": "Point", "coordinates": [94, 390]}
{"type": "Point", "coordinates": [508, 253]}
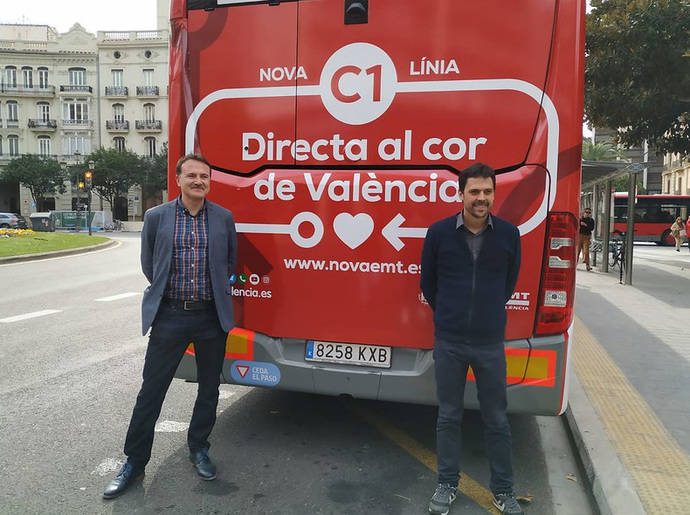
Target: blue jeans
{"type": "Point", "coordinates": [488, 362]}
{"type": "Point", "coordinates": [171, 333]}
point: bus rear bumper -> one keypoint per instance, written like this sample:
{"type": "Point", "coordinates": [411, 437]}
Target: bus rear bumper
{"type": "Point", "coordinates": [409, 379]}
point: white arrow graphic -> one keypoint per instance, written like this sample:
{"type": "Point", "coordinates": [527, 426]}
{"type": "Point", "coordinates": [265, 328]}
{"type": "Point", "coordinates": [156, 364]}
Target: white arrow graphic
{"type": "Point", "coordinates": [393, 232]}
{"type": "Point", "coordinates": [292, 229]}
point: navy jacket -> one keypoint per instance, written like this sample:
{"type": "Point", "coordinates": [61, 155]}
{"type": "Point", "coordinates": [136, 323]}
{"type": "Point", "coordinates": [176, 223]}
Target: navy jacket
{"type": "Point", "coordinates": [468, 297]}
{"type": "Point", "coordinates": [156, 256]}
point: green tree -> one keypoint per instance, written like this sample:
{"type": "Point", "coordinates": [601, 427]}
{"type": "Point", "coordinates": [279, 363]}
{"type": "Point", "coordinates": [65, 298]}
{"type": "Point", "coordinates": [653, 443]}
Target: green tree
{"type": "Point", "coordinates": [156, 173]}
{"type": "Point", "coordinates": [40, 175]}
{"type": "Point", "coordinates": [115, 172]}
{"type": "Point", "coordinates": [155, 178]}
{"type": "Point", "coordinates": [601, 151]}
{"type": "Point", "coordinates": [637, 71]}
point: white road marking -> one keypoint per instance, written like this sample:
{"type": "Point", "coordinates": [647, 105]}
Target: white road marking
{"type": "Point", "coordinates": [26, 316]}
{"type": "Point", "coordinates": [224, 394]}
{"type": "Point", "coordinates": [170, 426]}
{"type": "Point", "coordinates": [107, 466]}
{"type": "Point", "coordinates": [118, 297]}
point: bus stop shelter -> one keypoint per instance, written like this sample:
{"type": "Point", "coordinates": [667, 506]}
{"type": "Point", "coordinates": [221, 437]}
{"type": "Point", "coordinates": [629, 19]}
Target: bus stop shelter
{"type": "Point", "coordinates": [596, 193]}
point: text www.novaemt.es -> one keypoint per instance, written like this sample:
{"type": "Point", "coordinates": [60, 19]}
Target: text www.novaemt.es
{"type": "Point", "coordinates": [371, 267]}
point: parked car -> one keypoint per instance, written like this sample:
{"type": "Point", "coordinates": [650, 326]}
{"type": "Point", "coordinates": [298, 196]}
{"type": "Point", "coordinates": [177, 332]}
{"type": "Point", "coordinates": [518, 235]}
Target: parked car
{"type": "Point", "coordinates": [9, 221]}
{"type": "Point", "coordinates": [21, 221]}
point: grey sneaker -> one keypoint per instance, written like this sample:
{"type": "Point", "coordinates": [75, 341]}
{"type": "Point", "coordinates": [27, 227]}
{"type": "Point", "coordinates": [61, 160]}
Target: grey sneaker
{"type": "Point", "coordinates": [443, 497]}
{"type": "Point", "coordinates": [506, 503]}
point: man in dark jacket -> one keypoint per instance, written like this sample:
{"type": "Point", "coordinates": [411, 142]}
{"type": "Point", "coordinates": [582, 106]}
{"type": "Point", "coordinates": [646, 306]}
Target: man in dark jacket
{"type": "Point", "coordinates": [585, 236]}
{"type": "Point", "coordinates": [470, 265]}
{"type": "Point", "coordinates": [188, 253]}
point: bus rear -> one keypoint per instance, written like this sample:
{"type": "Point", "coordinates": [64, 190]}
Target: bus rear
{"type": "Point", "coordinates": [336, 134]}
{"type": "Point", "coordinates": [654, 215]}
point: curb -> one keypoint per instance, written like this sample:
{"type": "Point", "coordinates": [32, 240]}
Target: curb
{"type": "Point", "coordinates": [611, 485]}
{"type": "Point", "coordinates": [57, 253]}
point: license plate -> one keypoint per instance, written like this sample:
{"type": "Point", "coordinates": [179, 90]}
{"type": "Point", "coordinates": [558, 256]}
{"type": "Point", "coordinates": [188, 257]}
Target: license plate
{"type": "Point", "coordinates": [349, 353]}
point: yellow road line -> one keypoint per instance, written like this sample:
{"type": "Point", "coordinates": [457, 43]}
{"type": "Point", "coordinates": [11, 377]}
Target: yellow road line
{"type": "Point", "coordinates": [657, 464]}
{"type": "Point", "coordinates": [468, 486]}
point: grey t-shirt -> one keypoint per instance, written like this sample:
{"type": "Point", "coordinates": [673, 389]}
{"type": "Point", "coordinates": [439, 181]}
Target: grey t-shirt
{"type": "Point", "coordinates": [474, 241]}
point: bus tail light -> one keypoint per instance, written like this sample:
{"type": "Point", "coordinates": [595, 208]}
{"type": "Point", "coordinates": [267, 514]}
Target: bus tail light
{"type": "Point", "coordinates": [555, 308]}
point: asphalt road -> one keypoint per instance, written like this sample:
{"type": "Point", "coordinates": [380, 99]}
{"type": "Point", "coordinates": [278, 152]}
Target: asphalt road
{"type": "Point", "coordinates": [71, 356]}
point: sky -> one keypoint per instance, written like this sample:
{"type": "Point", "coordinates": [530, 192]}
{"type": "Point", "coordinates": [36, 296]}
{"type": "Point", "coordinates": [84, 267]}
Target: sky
{"type": "Point", "coordinates": [93, 15]}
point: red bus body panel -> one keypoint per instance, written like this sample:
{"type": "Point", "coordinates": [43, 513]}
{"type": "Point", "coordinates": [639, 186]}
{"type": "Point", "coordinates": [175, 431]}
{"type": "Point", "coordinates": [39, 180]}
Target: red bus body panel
{"type": "Point", "coordinates": [335, 146]}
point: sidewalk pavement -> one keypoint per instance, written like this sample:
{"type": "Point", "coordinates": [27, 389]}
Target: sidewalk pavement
{"type": "Point", "coordinates": [629, 403]}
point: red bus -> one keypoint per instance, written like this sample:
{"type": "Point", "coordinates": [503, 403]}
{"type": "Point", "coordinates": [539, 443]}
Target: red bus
{"type": "Point", "coordinates": [654, 215]}
{"type": "Point", "coordinates": [336, 131]}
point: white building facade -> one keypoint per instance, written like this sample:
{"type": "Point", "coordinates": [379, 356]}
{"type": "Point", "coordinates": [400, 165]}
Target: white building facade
{"type": "Point", "coordinates": [64, 95]}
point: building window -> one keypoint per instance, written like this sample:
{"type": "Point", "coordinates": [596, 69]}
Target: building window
{"type": "Point", "coordinates": [119, 144]}
{"type": "Point", "coordinates": [13, 145]}
{"type": "Point", "coordinates": [149, 112]}
{"type": "Point", "coordinates": [680, 184]}
{"type": "Point", "coordinates": [150, 147]}
{"type": "Point", "coordinates": [42, 77]}
{"type": "Point", "coordinates": [12, 111]}
{"type": "Point", "coordinates": [11, 76]}
{"type": "Point", "coordinates": [118, 112]}
{"type": "Point", "coordinates": [43, 111]}
{"type": "Point", "coordinates": [76, 110]}
{"type": "Point", "coordinates": [77, 77]}
{"type": "Point", "coordinates": [148, 77]}
{"type": "Point", "coordinates": [28, 77]}
{"type": "Point", "coordinates": [44, 146]}
{"type": "Point", "coordinates": [117, 78]}
{"type": "Point", "coordinates": [0, 145]}
{"type": "Point", "coordinates": [75, 144]}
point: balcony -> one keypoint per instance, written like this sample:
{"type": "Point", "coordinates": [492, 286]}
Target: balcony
{"type": "Point", "coordinates": [39, 124]}
{"type": "Point", "coordinates": [77, 124]}
{"type": "Point", "coordinates": [27, 91]}
{"type": "Point", "coordinates": [149, 125]}
{"type": "Point", "coordinates": [147, 91]}
{"type": "Point", "coordinates": [74, 88]}
{"type": "Point", "coordinates": [117, 125]}
{"type": "Point", "coordinates": [76, 158]}
{"type": "Point", "coordinates": [12, 124]}
{"type": "Point", "coordinates": [116, 91]}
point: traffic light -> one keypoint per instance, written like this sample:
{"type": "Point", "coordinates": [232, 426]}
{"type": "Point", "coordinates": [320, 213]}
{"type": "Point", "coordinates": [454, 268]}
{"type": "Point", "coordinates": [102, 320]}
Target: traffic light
{"type": "Point", "coordinates": [88, 175]}
{"type": "Point", "coordinates": [81, 185]}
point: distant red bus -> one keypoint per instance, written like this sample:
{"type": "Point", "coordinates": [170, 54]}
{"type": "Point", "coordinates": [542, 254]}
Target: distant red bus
{"type": "Point", "coordinates": [336, 137]}
{"type": "Point", "coordinates": [654, 215]}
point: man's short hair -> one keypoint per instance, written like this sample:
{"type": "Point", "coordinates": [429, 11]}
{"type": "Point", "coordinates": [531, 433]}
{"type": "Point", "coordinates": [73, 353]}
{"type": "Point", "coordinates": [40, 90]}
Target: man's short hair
{"type": "Point", "coordinates": [476, 170]}
{"type": "Point", "coordinates": [190, 157]}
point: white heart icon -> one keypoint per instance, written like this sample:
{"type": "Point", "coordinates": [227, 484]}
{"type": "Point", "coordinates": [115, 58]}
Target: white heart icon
{"type": "Point", "coordinates": [353, 230]}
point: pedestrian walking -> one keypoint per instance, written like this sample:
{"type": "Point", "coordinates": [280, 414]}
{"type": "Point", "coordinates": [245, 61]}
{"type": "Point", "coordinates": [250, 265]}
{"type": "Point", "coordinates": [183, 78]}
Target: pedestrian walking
{"type": "Point", "coordinates": [678, 232]}
{"type": "Point", "coordinates": [687, 231]}
{"type": "Point", "coordinates": [188, 253]}
{"type": "Point", "coordinates": [584, 236]}
{"type": "Point", "coordinates": [470, 264]}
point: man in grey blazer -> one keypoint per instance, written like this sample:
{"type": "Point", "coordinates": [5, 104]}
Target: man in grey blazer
{"type": "Point", "coordinates": [188, 253]}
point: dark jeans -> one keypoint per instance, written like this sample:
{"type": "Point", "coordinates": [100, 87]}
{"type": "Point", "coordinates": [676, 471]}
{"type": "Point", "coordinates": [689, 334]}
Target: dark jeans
{"type": "Point", "coordinates": [489, 365]}
{"type": "Point", "coordinates": [171, 333]}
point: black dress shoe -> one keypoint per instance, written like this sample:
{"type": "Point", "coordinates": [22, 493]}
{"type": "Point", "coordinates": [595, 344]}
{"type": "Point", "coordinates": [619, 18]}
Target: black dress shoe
{"type": "Point", "coordinates": [128, 474]}
{"type": "Point", "coordinates": [203, 464]}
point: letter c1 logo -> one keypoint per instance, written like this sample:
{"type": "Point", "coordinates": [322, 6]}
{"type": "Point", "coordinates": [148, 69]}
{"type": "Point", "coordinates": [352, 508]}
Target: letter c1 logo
{"type": "Point", "coordinates": [358, 83]}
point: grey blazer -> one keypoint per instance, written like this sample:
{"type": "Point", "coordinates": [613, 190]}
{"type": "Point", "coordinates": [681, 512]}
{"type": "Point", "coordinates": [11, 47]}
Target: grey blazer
{"type": "Point", "coordinates": [156, 256]}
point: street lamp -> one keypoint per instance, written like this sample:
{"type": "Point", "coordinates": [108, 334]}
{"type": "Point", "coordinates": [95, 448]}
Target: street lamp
{"type": "Point", "coordinates": [88, 175]}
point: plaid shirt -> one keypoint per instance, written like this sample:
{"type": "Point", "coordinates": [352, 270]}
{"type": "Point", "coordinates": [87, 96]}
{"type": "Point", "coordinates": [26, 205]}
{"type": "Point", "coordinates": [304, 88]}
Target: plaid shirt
{"type": "Point", "coordinates": [189, 279]}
